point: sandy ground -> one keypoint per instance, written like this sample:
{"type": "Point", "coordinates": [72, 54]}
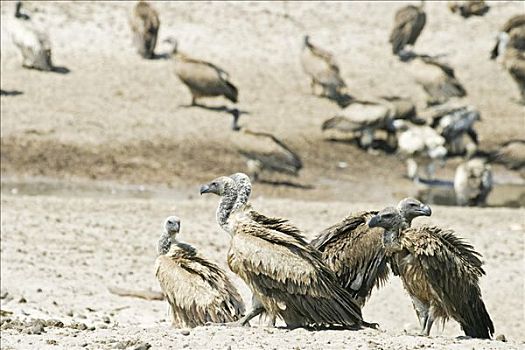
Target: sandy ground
{"type": "Point", "coordinates": [92, 161]}
{"type": "Point", "coordinates": [61, 253]}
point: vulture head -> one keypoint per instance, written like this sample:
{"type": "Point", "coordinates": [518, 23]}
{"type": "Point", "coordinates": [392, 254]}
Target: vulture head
{"type": "Point", "coordinates": [243, 182]}
{"type": "Point", "coordinates": [393, 222]}
{"type": "Point", "coordinates": [220, 186]}
{"type": "Point", "coordinates": [411, 208]}
{"type": "Point", "coordinates": [172, 225]}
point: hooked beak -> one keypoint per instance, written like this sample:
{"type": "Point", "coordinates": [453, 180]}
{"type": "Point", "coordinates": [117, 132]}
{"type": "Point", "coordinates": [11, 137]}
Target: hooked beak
{"type": "Point", "coordinates": [205, 189]}
{"type": "Point", "coordinates": [374, 221]}
{"type": "Point", "coordinates": [425, 210]}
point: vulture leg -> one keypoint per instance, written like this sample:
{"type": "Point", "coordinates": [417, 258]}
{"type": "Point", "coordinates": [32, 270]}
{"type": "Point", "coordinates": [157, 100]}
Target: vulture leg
{"type": "Point", "coordinates": [254, 168]}
{"type": "Point", "coordinates": [193, 100]}
{"type": "Point", "coordinates": [412, 169]}
{"type": "Point", "coordinates": [367, 137]}
{"type": "Point", "coordinates": [431, 170]}
{"type": "Point", "coordinates": [421, 311]}
{"type": "Point", "coordinates": [428, 324]}
{"type": "Point", "coordinates": [256, 310]}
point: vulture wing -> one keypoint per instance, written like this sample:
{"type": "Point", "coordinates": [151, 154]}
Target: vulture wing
{"type": "Point", "coordinates": [409, 21]}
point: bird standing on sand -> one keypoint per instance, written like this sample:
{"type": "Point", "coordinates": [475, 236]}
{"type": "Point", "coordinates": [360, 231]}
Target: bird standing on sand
{"type": "Point", "coordinates": [144, 22]}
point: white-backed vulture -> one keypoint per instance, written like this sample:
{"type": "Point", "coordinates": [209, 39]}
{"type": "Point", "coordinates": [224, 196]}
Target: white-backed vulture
{"type": "Point", "coordinates": [283, 271]}
{"type": "Point", "coordinates": [32, 41]}
{"type": "Point", "coordinates": [203, 79]}
{"type": "Point", "coordinates": [453, 122]}
{"type": "Point", "coordinates": [409, 21]}
{"type": "Point", "coordinates": [420, 145]}
{"type": "Point", "coordinates": [355, 251]}
{"type": "Point", "coordinates": [473, 182]}
{"type": "Point", "coordinates": [437, 79]}
{"type": "Point", "coordinates": [439, 271]}
{"type": "Point", "coordinates": [265, 152]}
{"type": "Point", "coordinates": [517, 21]}
{"type": "Point", "coordinates": [144, 22]}
{"type": "Point", "coordinates": [320, 65]}
{"type": "Point", "coordinates": [197, 290]}
{"type": "Point", "coordinates": [469, 8]}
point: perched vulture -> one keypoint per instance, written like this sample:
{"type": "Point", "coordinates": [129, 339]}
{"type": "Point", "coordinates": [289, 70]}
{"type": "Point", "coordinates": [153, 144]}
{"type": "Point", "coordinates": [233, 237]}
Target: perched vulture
{"type": "Point", "coordinates": [473, 182]}
{"type": "Point", "coordinates": [453, 122]}
{"type": "Point", "coordinates": [409, 21]}
{"type": "Point", "coordinates": [283, 271]}
{"type": "Point", "coordinates": [197, 290]}
{"type": "Point", "coordinates": [144, 23]}
{"type": "Point", "coordinates": [320, 65]}
{"type": "Point", "coordinates": [437, 79]}
{"type": "Point", "coordinates": [517, 21]}
{"type": "Point", "coordinates": [265, 152]}
{"type": "Point", "coordinates": [33, 42]}
{"type": "Point", "coordinates": [469, 8]}
{"type": "Point", "coordinates": [511, 154]}
{"type": "Point", "coordinates": [419, 144]}
{"type": "Point", "coordinates": [355, 252]}
{"type": "Point", "coordinates": [204, 79]}
{"type": "Point", "coordinates": [439, 271]}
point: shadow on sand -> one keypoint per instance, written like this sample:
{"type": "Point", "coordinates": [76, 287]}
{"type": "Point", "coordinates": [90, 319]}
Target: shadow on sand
{"type": "Point", "coordinates": [286, 184]}
{"type": "Point", "coordinates": [10, 92]}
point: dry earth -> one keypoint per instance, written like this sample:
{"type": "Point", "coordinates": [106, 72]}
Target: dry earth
{"type": "Point", "coordinates": [92, 161]}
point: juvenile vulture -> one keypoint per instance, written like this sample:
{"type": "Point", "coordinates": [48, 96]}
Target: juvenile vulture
{"type": "Point", "coordinates": [355, 251]}
{"type": "Point", "coordinates": [473, 182]}
{"type": "Point", "coordinates": [437, 79]}
{"type": "Point", "coordinates": [197, 290]}
{"type": "Point", "coordinates": [202, 78]}
{"type": "Point", "coordinates": [469, 8]}
{"type": "Point", "coordinates": [409, 21]}
{"type": "Point", "coordinates": [320, 65]}
{"type": "Point", "coordinates": [419, 145]}
{"type": "Point", "coordinates": [33, 42]}
{"type": "Point", "coordinates": [517, 21]}
{"type": "Point", "coordinates": [439, 271]}
{"type": "Point", "coordinates": [453, 122]}
{"type": "Point", "coordinates": [144, 22]}
{"type": "Point", "coordinates": [283, 271]}
{"type": "Point", "coordinates": [265, 152]}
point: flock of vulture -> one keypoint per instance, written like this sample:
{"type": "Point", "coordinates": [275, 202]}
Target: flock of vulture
{"type": "Point", "coordinates": [326, 282]}
{"type": "Point", "coordinates": [423, 139]}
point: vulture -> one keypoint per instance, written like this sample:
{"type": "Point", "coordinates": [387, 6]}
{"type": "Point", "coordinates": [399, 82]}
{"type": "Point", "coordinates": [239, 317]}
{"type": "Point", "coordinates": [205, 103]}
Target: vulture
{"type": "Point", "coordinates": [355, 252]}
{"type": "Point", "coordinates": [202, 78]}
{"type": "Point", "coordinates": [409, 21]}
{"type": "Point", "coordinates": [453, 122]}
{"type": "Point", "coordinates": [472, 182]}
{"type": "Point", "coordinates": [284, 272]}
{"type": "Point", "coordinates": [469, 8]}
{"type": "Point", "coordinates": [320, 65]}
{"type": "Point", "coordinates": [437, 79]}
{"type": "Point", "coordinates": [144, 23]}
{"type": "Point", "coordinates": [363, 117]}
{"type": "Point", "coordinates": [517, 21]}
{"type": "Point", "coordinates": [265, 152]}
{"type": "Point", "coordinates": [419, 144]}
{"type": "Point", "coordinates": [511, 154]}
{"type": "Point", "coordinates": [197, 290]}
{"type": "Point", "coordinates": [440, 272]}
{"type": "Point", "coordinates": [33, 42]}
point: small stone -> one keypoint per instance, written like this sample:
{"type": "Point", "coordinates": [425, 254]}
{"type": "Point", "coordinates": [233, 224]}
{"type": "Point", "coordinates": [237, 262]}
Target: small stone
{"type": "Point", "coordinates": [185, 332]}
{"type": "Point", "coordinates": [22, 300]}
{"type": "Point", "coordinates": [79, 326]}
{"type": "Point", "coordinates": [39, 290]}
{"type": "Point", "coordinates": [106, 319]}
{"type": "Point", "coordinates": [52, 342]}
{"type": "Point", "coordinates": [54, 323]}
{"type": "Point", "coordinates": [84, 345]}
{"type": "Point", "coordinates": [501, 337]}
{"type": "Point", "coordinates": [55, 303]}
{"type": "Point", "coordinates": [36, 329]}
{"type": "Point", "coordinates": [69, 313]}
{"type": "Point", "coordinates": [82, 316]}
{"type": "Point", "coordinates": [92, 328]}
{"type": "Point", "coordinates": [4, 295]}
{"type": "Point", "coordinates": [103, 326]}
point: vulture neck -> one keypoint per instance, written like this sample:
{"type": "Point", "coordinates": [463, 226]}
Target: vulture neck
{"type": "Point", "coordinates": [165, 242]}
{"type": "Point", "coordinates": [392, 235]}
{"type": "Point", "coordinates": [225, 209]}
{"type": "Point", "coordinates": [243, 194]}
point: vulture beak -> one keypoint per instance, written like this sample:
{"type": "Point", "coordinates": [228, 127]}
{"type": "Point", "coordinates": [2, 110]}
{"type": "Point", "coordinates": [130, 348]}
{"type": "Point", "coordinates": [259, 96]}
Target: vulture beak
{"type": "Point", "coordinates": [205, 189]}
{"type": "Point", "coordinates": [374, 221]}
{"type": "Point", "coordinates": [425, 210]}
